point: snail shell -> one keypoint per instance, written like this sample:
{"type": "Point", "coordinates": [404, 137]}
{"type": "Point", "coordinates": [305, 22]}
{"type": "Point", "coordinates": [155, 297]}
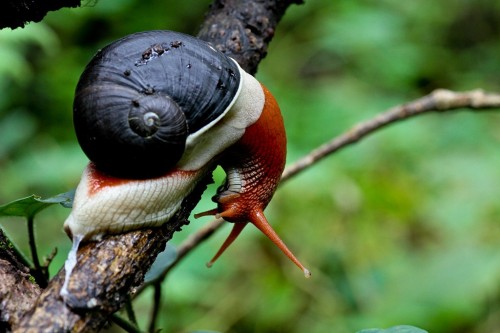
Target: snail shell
{"type": "Point", "coordinates": [140, 98]}
{"type": "Point", "coordinates": [154, 112]}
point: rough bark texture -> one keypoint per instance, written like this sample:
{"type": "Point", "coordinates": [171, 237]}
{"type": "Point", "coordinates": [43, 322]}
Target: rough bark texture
{"type": "Point", "coordinates": [17, 288]}
{"type": "Point", "coordinates": [16, 13]}
{"type": "Point", "coordinates": [243, 29]}
{"type": "Point", "coordinates": [109, 270]}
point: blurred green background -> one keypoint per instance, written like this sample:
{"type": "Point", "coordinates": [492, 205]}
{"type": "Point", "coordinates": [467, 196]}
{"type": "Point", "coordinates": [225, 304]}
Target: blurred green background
{"type": "Point", "coordinates": [402, 228]}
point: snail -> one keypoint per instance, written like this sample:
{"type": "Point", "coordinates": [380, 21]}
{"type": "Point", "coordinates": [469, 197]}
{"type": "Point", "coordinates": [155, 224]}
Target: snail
{"type": "Point", "coordinates": [155, 112]}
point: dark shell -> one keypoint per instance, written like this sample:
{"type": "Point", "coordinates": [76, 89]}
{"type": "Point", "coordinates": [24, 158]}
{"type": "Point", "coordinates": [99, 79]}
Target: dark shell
{"type": "Point", "coordinates": [141, 96]}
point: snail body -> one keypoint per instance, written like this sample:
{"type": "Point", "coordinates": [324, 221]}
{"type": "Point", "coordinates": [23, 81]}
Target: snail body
{"type": "Point", "coordinates": [155, 112]}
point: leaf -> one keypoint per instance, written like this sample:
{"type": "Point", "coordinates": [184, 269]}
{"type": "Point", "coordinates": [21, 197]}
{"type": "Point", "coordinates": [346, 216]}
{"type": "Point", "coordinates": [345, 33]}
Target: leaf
{"type": "Point", "coordinates": [163, 261]}
{"type": "Point", "coordinates": [395, 329]}
{"type": "Point", "coordinates": [28, 207]}
{"type": "Point", "coordinates": [64, 199]}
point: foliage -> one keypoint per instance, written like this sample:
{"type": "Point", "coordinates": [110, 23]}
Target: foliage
{"type": "Point", "coordinates": [30, 206]}
{"type": "Point", "coordinates": [401, 228]}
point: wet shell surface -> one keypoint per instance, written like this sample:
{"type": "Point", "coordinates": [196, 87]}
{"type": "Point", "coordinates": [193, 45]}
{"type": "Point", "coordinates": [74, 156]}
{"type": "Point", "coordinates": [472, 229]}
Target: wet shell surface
{"type": "Point", "coordinates": [140, 98]}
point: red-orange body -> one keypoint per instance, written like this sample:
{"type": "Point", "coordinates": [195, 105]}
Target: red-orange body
{"type": "Point", "coordinates": [259, 158]}
{"type": "Point", "coordinates": [256, 161]}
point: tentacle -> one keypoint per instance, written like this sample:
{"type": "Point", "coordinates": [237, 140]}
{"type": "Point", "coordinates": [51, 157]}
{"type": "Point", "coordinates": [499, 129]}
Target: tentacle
{"type": "Point", "coordinates": [259, 220]}
{"type": "Point", "coordinates": [210, 212]}
{"type": "Point", "coordinates": [237, 228]}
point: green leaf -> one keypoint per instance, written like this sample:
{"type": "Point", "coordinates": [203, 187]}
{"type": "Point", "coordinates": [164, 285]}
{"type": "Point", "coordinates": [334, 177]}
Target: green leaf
{"type": "Point", "coordinates": [28, 207]}
{"type": "Point", "coordinates": [163, 260]}
{"type": "Point", "coordinates": [64, 199]}
{"type": "Point", "coordinates": [395, 329]}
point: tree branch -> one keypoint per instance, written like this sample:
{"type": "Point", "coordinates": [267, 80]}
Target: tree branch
{"type": "Point", "coordinates": [16, 13]}
{"type": "Point", "coordinates": [18, 290]}
{"type": "Point", "coordinates": [440, 100]}
{"type": "Point", "coordinates": [243, 29]}
{"type": "Point", "coordinates": [109, 270]}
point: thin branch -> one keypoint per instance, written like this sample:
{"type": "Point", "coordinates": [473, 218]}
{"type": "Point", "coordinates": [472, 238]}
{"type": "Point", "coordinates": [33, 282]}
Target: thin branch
{"type": "Point", "coordinates": [196, 238]}
{"type": "Point", "coordinates": [184, 249]}
{"type": "Point", "coordinates": [156, 307]}
{"type": "Point", "coordinates": [129, 309]}
{"type": "Point", "coordinates": [32, 244]}
{"type": "Point", "coordinates": [39, 272]}
{"type": "Point", "coordinates": [440, 100]}
{"type": "Point", "coordinates": [125, 325]}
{"type": "Point", "coordinates": [48, 260]}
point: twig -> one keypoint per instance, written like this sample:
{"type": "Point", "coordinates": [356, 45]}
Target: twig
{"type": "Point", "coordinates": [156, 307]}
{"type": "Point", "coordinates": [39, 272]}
{"type": "Point", "coordinates": [32, 244]}
{"type": "Point", "coordinates": [48, 260]}
{"type": "Point", "coordinates": [194, 239]}
{"type": "Point", "coordinates": [440, 100]}
{"type": "Point", "coordinates": [123, 324]}
{"type": "Point", "coordinates": [185, 248]}
{"type": "Point", "coordinates": [129, 309]}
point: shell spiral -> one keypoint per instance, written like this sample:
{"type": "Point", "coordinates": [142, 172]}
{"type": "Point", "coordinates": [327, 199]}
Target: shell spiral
{"type": "Point", "coordinates": [140, 97]}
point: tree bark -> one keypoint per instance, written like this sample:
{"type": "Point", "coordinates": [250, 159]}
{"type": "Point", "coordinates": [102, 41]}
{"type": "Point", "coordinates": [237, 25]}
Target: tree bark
{"type": "Point", "coordinates": [110, 270]}
{"type": "Point", "coordinates": [18, 291]}
{"type": "Point", "coordinates": [16, 13]}
{"type": "Point", "coordinates": [243, 29]}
